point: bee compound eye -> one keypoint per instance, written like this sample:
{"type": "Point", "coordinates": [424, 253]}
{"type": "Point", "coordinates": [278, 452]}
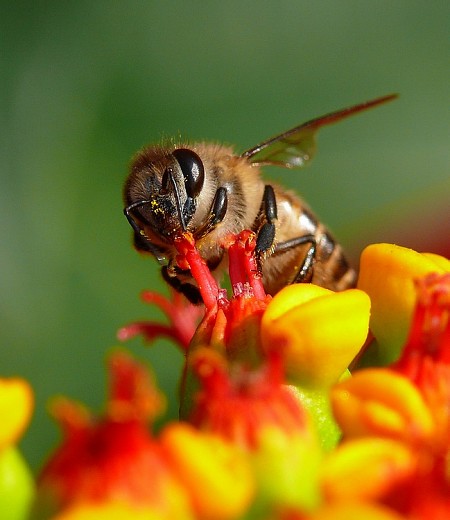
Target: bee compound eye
{"type": "Point", "coordinates": [193, 171]}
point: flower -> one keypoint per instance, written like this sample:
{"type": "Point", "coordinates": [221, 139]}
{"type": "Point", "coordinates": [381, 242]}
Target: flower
{"type": "Point", "coordinates": [396, 420]}
{"type": "Point", "coordinates": [305, 337]}
{"type": "Point", "coordinates": [256, 363]}
{"type": "Point", "coordinates": [318, 331]}
{"type": "Point", "coordinates": [114, 459]}
{"type": "Point", "coordinates": [183, 320]}
{"type": "Point", "coordinates": [16, 482]}
{"type": "Point", "coordinates": [387, 274]}
{"type": "Point", "coordinates": [268, 379]}
{"type": "Point", "coordinates": [114, 467]}
{"type": "Point", "coordinates": [16, 406]}
{"type": "Point", "coordinates": [215, 473]}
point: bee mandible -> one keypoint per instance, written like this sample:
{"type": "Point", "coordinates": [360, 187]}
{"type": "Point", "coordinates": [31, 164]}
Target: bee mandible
{"type": "Point", "coordinates": [208, 190]}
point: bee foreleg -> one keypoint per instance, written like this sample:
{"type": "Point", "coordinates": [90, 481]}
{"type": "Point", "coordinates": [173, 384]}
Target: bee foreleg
{"type": "Point", "coordinates": [304, 274]}
{"type": "Point", "coordinates": [216, 213]}
{"type": "Point", "coordinates": [266, 234]}
{"type": "Point", "coordinates": [141, 242]}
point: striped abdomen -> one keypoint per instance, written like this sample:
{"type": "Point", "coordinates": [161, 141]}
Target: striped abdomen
{"type": "Point", "coordinates": [330, 268]}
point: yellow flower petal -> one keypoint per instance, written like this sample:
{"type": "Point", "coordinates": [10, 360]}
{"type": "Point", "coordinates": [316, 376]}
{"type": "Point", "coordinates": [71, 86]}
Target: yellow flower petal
{"type": "Point", "coordinates": [292, 296]}
{"type": "Point", "coordinates": [17, 486]}
{"type": "Point", "coordinates": [387, 274]}
{"type": "Point", "coordinates": [215, 474]}
{"type": "Point", "coordinates": [16, 406]}
{"type": "Point", "coordinates": [381, 402]}
{"type": "Point", "coordinates": [108, 511]}
{"type": "Point", "coordinates": [319, 331]}
{"type": "Point", "coordinates": [439, 260]}
{"type": "Point", "coordinates": [365, 469]}
{"type": "Point", "coordinates": [286, 468]}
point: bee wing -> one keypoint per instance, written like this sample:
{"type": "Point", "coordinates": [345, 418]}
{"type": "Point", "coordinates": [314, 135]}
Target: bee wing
{"type": "Point", "coordinates": [296, 147]}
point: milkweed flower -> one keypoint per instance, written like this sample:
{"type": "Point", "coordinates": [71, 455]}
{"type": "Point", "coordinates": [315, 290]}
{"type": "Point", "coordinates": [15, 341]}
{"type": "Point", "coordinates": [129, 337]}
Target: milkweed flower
{"type": "Point", "coordinates": [387, 274]}
{"type": "Point", "coordinates": [270, 377]}
{"type": "Point", "coordinates": [300, 342]}
{"type": "Point", "coordinates": [16, 481]}
{"type": "Point", "coordinates": [396, 420]}
{"type": "Point", "coordinates": [182, 316]}
{"type": "Point", "coordinates": [114, 459]}
{"type": "Point", "coordinates": [114, 467]}
{"type": "Point", "coordinates": [319, 333]}
{"type": "Point", "coordinates": [245, 379]}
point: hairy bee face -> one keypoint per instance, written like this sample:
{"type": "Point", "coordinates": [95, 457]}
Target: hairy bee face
{"type": "Point", "coordinates": [163, 188]}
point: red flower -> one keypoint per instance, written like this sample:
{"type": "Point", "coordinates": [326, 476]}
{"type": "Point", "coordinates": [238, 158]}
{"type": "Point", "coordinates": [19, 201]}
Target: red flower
{"type": "Point", "coordinates": [183, 320]}
{"type": "Point", "coordinates": [113, 459]}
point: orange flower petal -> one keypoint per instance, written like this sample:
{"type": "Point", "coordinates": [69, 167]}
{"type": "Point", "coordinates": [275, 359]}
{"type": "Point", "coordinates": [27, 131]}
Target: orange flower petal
{"type": "Point", "coordinates": [109, 511]}
{"type": "Point", "coordinates": [381, 402]}
{"type": "Point", "coordinates": [366, 469]}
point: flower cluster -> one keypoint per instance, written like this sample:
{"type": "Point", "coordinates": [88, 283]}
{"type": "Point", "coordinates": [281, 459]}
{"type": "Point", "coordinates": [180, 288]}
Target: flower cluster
{"type": "Point", "coordinates": [310, 405]}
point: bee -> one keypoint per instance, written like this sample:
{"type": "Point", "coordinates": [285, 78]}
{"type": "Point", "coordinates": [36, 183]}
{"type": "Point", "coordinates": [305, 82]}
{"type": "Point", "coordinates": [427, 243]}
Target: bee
{"type": "Point", "coordinates": [210, 191]}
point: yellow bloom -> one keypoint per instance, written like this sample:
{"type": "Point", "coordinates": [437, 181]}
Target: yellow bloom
{"type": "Point", "coordinates": [366, 469]}
{"type": "Point", "coordinates": [387, 274]}
{"type": "Point", "coordinates": [318, 331]}
{"type": "Point", "coordinates": [16, 406]}
{"type": "Point", "coordinates": [286, 468]}
{"type": "Point", "coordinates": [405, 405]}
{"type": "Point", "coordinates": [215, 473]}
{"type": "Point", "coordinates": [109, 511]}
{"type": "Point", "coordinates": [381, 402]}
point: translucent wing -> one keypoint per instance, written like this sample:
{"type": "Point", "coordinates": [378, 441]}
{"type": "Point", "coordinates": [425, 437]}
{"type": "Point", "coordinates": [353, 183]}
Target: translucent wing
{"type": "Point", "coordinates": [294, 148]}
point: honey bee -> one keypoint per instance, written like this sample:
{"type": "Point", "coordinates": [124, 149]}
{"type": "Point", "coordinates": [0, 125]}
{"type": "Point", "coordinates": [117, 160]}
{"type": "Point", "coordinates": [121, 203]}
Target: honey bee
{"type": "Point", "coordinates": [210, 191]}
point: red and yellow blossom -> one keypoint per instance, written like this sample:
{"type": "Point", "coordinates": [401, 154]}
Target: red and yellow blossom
{"type": "Point", "coordinates": [264, 344]}
{"type": "Point", "coordinates": [403, 409]}
{"type": "Point", "coordinates": [259, 368]}
{"type": "Point", "coordinates": [113, 459]}
{"type": "Point", "coordinates": [114, 466]}
{"type": "Point", "coordinates": [387, 275]}
{"type": "Point", "coordinates": [253, 409]}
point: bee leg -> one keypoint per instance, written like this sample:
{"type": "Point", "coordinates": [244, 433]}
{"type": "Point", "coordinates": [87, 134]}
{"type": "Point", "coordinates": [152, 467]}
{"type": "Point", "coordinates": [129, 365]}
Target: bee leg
{"type": "Point", "coordinates": [306, 269]}
{"type": "Point", "coordinates": [141, 242]}
{"type": "Point", "coordinates": [266, 235]}
{"type": "Point", "coordinates": [188, 289]}
{"type": "Point", "coordinates": [216, 213]}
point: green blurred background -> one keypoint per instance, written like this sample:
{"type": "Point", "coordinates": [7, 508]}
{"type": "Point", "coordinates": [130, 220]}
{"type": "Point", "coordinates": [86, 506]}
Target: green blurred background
{"type": "Point", "coordinates": [86, 84]}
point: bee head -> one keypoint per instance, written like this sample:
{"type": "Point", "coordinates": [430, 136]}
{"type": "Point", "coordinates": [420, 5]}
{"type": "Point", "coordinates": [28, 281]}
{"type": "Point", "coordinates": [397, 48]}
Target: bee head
{"type": "Point", "coordinates": [162, 189]}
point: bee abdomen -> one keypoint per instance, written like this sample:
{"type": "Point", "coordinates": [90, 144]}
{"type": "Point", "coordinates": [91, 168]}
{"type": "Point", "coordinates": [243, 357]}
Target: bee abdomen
{"type": "Point", "coordinates": [331, 268]}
